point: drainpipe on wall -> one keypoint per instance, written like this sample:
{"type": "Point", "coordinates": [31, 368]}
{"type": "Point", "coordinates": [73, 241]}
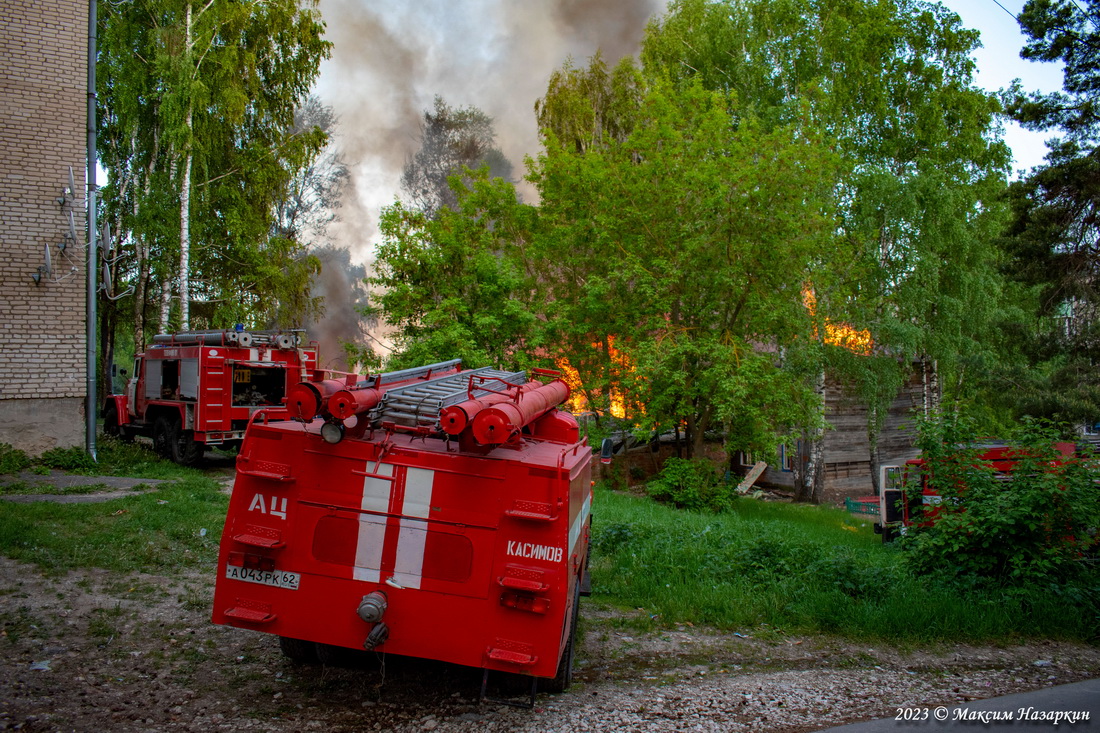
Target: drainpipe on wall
{"type": "Point", "coordinates": [90, 399]}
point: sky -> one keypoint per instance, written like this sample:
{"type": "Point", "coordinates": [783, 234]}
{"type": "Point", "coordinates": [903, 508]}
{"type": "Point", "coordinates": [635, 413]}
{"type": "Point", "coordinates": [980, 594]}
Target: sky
{"type": "Point", "coordinates": [999, 63]}
{"type": "Point", "coordinates": [390, 60]}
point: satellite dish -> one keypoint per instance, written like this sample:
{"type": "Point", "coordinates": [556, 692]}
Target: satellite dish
{"type": "Point", "coordinates": [72, 229]}
{"type": "Point", "coordinates": [105, 283]}
{"type": "Point", "coordinates": [105, 236]}
{"type": "Point", "coordinates": [48, 271]}
{"type": "Point", "coordinates": [72, 184]}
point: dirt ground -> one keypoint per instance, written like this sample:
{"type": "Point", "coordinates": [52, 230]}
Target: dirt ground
{"type": "Point", "coordinates": [92, 651]}
{"type": "Point", "coordinates": [89, 651]}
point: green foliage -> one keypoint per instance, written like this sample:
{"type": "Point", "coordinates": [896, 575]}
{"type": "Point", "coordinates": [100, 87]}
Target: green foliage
{"type": "Point", "coordinates": [768, 567]}
{"type": "Point", "coordinates": [922, 168]}
{"type": "Point", "coordinates": [687, 204]}
{"type": "Point", "coordinates": [67, 459]}
{"type": "Point", "coordinates": [197, 130]}
{"type": "Point", "coordinates": [1054, 228]}
{"type": "Point", "coordinates": [453, 286]}
{"type": "Point", "coordinates": [689, 242]}
{"type": "Point", "coordinates": [1035, 526]}
{"type": "Point", "coordinates": [1069, 32]}
{"type": "Point", "coordinates": [12, 460]}
{"type": "Point", "coordinates": [693, 484]}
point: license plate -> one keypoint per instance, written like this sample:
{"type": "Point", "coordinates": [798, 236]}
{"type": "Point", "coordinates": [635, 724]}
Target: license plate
{"type": "Point", "coordinates": [274, 578]}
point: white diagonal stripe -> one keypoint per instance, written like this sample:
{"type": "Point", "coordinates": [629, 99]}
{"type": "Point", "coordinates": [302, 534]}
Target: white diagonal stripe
{"type": "Point", "coordinates": [409, 565]}
{"type": "Point", "coordinates": [368, 547]}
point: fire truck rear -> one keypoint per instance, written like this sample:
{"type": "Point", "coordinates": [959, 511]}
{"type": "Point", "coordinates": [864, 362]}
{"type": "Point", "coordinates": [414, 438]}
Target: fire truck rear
{"type": "Point", "coordinates": [434, 512]}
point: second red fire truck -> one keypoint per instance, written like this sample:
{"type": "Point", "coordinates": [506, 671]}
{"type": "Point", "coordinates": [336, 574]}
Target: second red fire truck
{"type": "Point", "coordinates": [197, 389]}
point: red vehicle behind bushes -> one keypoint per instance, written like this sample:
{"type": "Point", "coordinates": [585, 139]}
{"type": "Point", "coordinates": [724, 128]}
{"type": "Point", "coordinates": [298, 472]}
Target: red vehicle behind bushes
{"type": "Point", "coordinates": [909, 496]}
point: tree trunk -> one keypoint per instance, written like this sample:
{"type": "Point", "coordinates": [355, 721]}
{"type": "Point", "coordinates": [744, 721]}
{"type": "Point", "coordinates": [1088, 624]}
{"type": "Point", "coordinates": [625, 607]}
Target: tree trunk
{"type": "Point", "coordinates": [185, 194]}
{"type": "Point", "coordinates": [873, 431]}
{"type": "Point", "coordinates": [141, 254]}
{"type": "Point", "coordinates": [811, 476]}
{"type": "Point", "coordinates": [165, 305]}
{"type": "Point", "coordinates": [141, 293]}
{"type": "Point", "coordinates": [699, 433]}
{"type": "Point", "coordinates": [930, 384]}
{"type": "Point", "coordinates": [108, 319]}
{"type": "Point", "coordinates": [185, 239]}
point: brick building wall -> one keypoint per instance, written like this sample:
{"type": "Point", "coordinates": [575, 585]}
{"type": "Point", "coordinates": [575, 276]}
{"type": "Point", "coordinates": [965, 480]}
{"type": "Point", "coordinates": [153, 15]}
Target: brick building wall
{"type": "Point", "coordinates": [43, 123]}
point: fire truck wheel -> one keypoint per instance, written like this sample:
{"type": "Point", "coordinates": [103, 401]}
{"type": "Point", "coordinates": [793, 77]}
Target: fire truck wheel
{"type": "Point", "coordinates": [112, 428]}
{"type": "Point", "coordinates": [298, 651]}
{"type": "Point", "coordinates": [185, 450]}
{"type": "Point", "coordinates": [564, 677]}
{"type": "Point", "coordinates": [161, 436]}
{"type": "Point", "coordinates": [331, 655]}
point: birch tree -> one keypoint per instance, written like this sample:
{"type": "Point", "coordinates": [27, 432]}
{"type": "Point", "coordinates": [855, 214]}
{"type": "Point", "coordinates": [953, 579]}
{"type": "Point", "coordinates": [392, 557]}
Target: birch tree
{"type": "Point", "coordinates": [198, 103]}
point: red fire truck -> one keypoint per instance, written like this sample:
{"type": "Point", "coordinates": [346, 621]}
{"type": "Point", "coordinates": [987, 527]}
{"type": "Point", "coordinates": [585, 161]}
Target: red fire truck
{"type": "Point", "coordinates": [433, 512]}
{"type": "Point", "coordinates": [199, 388]}
{"type": "Point", "coordinates": [896, 513]}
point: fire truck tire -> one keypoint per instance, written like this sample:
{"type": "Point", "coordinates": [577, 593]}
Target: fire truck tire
{"type": "Point", "coordinates": [162, 430]}
{"type": "Point", "coordinates": [112, 428]}
{"type": "Point", "coordinates": [331, 655]}
{"type": "Point", "coordinates": [298, 651]}
{"type": "Point", "coordinates": [564, 677]}
{"type": "Point", "coordinates": [185, 450]}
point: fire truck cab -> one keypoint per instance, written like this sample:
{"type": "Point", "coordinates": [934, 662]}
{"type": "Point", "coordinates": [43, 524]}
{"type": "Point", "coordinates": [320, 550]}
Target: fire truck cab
{"type": "Point", "coordinates": [200, 388]}
{"type": "Point", "coordinates": [434, 512]}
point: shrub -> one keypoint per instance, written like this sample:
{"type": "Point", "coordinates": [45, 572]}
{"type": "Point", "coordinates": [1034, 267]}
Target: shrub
{"type": "Point", "coordinates": [67, 459]}
{"type": "Point", "coordinates": [691, 484]}
{"type": "Point", "coordinates": [1034, 526]}
{"type": "Point", "coordinates": [12, 460]}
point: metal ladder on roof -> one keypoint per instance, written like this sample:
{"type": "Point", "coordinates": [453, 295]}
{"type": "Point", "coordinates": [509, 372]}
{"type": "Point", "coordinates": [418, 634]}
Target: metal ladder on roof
{"type": "Point", "coordinates": [418, 404]}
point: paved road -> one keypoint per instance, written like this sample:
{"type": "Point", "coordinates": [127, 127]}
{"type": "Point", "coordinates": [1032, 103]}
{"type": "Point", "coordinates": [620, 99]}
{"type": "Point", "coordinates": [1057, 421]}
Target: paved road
{"type": "Point", "coordinates": [1074, 707]}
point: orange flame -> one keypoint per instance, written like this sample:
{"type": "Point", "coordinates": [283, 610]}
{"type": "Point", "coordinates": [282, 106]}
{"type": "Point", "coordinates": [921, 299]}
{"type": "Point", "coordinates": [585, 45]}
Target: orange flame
{"type": "Point", "coordinates": [840, 334]}
{"type": "Point", "coordinates": [577, 402]}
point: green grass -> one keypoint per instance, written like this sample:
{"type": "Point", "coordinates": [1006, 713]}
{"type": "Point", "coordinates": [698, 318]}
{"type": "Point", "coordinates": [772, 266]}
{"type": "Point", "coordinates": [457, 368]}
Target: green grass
{"type": "Point", "coordinates": [152, 532]}
{"type": "Point", "coordinates": [113, 458]}
{"type": "Point", "coordinates": [768, 567]}
{"type": "Point", "coordinates": [764, 568]}
{"type": "Point", "coordinates": [149, 532]}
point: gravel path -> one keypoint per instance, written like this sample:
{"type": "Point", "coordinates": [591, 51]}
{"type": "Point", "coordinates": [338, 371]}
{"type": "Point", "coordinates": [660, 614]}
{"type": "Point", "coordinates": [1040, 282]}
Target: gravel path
{"type": "Point", "coordinates": [92, 652]}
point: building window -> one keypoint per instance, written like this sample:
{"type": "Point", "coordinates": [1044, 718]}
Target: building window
{"type": "Point", "coordinates": [788, 456]}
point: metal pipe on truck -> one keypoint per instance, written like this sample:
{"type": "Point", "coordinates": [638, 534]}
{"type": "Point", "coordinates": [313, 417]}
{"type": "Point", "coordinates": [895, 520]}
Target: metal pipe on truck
{"type": "Point", "coordinates": [495, 424]}
{"type": "Point", "coordinates": [347, 402]}
{"type": "Point", "coordinates": [193, 338]}
{"type": "Point", "coordinates": [455, 418]}
{"type": "Point", "coordinates": [307, 400]}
